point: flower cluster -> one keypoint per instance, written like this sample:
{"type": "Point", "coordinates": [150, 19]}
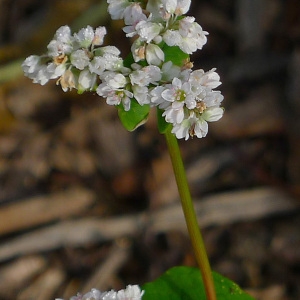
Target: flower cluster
{"type": "Point", "coordinates": [186, 97]}
{"type": "Point", "coordinates": [132, 292]}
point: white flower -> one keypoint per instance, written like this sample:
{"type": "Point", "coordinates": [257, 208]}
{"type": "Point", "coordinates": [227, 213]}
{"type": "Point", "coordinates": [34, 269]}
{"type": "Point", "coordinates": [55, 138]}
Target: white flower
{"type": "Point", "coordinates": [116, 8]}
{"type": "Point", "coordinates": [193, 36]}
{"type": "Point", "coordinates": [62, 42]}
{"type": "Point", "coordinates": [63, 34]}
{"type": "Point", "coordinates": [148, 30]}
{"type": "Point", "coordinates": [192, 103]}
{"type": "Point", "coordinates": [114, 80]}
{"type": "Point", "coordinates": [39, 72]}
{"type": "Point", "coordinates": [177, 7]}
{"type": "Point", "coordinates": [111, 295]}
{"type": "Point", "coordinates": [172, 37]}
{"type": "Point", "coordinates": [133, 14]}
{"type": "Point", "coordinates": [113, 89]}
{"type": "Point", "coordinates": [210, 79]}
{"type": "Point", "coordinates": [55, 70]}
{"type": "Point", "coordinates": [109, 50]}
{"type": "Point", "coordinates": [67, 81]}
{"type": "Point", "coordinates": [180, 96]}
{"type": "Point", "coordinates": [154, 55]}
{"type": "Point", "coordinates": [100, 32]}
{"type": "Point", "coordinates": [191, 126]}
{"type": "Point", "coordinates": [80, 59]}
{"type": "Point", "coordinates": [141, 94]}
{"type": "Point", "coordinates": [86, 81]}
{"type": "Point", "coordinates": [213, 98]}
{"type": "Point", "coordinates": [97, 65]}
{"type": "Point", "coordinates": [138, 50]}
{"type": "Point", "coordinates": [174, 113]}
{"type": "Point", "coordinates": [145, 76]}
{"type": "Point", "coordinates": [212, 114]}
{"type": "Point", "coordinates": [105, 62]}
{"type": "Point", "coordinates": [195, 125]}
{"type": "Point", "coordinates": [132, 292]}
{"type": "Point", "coordinates": [156, 99]}
{"type": "Point", "coordinates": [32, 65]}
{"type": "Point", "coordinates": [85, 36]}
{"type": "Point", "coordinates": [189, 37]}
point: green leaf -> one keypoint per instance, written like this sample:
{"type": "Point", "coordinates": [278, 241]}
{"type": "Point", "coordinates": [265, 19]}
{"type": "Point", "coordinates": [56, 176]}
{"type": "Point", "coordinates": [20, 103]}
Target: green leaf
{"type": "Point", "coordinates": [185, 283]}
{"type": "Point", "coordinates": [175, 55]}
{"type": "Point", "coordinates": [162, 125]}
{"type": "Point", "coordinates": [128, 60]}
{"type": "Point", "coordinates": [135, 117]}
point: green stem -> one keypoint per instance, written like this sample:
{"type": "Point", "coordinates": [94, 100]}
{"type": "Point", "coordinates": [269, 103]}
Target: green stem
{"type": "Point", "coordinates": [190, 215]}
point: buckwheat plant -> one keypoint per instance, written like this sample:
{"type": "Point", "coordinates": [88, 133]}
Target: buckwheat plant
{"type": "Point", "coordinates": [156, 74]}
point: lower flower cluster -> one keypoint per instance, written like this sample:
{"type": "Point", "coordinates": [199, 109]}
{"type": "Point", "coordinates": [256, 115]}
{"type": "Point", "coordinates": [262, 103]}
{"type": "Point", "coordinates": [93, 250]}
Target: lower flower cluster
{"type": "Point", "coordinates": [132, 292]}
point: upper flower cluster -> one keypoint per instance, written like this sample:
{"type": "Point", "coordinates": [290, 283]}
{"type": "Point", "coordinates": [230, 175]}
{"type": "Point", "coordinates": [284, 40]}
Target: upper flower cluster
{"type": "Point", "coordinates": [152, 78]}
{"type": "Point", "coordinates": [132, 292]}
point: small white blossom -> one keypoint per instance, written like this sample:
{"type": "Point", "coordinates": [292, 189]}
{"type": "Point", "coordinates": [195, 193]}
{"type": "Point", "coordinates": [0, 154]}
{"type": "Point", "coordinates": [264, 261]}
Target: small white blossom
{"type": "Point", "coordinates": [63, 34]}
{"type": "Point", "coordinates": [141, 94]}
{"type": "Point", "coordinates": [172, 37]}
{"type": "Point", "coordinates": [210, 79]}
{"type": "Point", "coordinates": [154, 55]}
{"type": "Point", "coordinates": [67, 81]}
{"type": "Point", "coordinates": [177, 7]}
{"type": "Point", "coordinates": [97, 65]}
{"type": "Point", "coordinates": [100, 32]}
{"type": "Point", "coordinates": [156, 98]}
{"type": "Point", "coordinates": [116, 8]}
{"type": "Point", "coordinates": [80, 59]}
{"type": "Point", "coordinates": [114, 80]}
{"type": "Point", "coordinates": [145, 76]}
{"type": "Point", "coordinates": [62, 42]}
{"type": "Point", "coordinates": [212, 114]}
{"type": "Point", "coordinates": [132, 292]}
{"type": "Point", "coordinates": [193, 36]}
{"type": "Point", "coordinates": [32, 66]}
{"type": "Point", "coordinates": [213, 98]}
{"type": "Point", "coordinates": [138, 50]}
{"type": "Point", "coordinates": [180, 96]}
{"type": "Point", "coordinates": [133, 14]}
{"type": "Point", "coordinates": [86, 81]}
{"type": "Point", "coordinates": [147, 31]}
{"type": "Point", "coordinates": [113, 89]}
{"type": "Point", "coordinates": [190, 127]}
{"type": "Point", "coordinates": [85, 36]}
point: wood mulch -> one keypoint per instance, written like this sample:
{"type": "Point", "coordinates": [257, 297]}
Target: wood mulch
{"type": "Point", "coordinates": [84, 203]}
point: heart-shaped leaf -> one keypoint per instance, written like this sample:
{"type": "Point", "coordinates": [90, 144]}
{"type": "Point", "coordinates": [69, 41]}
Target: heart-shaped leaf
{"type": "Point", "coordinates": [185, 283]}
{"type": "Point", "coordinates": [175, 55]}
{"type": "Point", "coordinates": [162, 125]}
{"type": "Point", "coordinates": [135, 117]}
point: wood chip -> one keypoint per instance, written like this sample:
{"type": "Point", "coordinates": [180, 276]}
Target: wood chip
{"type": "Point", "coordinates": [103, 274]}
{"type": "Point", "coordinates": [225, 208]}
{"type": "Point", "coordinates": [15, 275]}
{"type": "Point", "coordinates": [42, 209]}
{"type": "Point", "coordinates": [45, 286]}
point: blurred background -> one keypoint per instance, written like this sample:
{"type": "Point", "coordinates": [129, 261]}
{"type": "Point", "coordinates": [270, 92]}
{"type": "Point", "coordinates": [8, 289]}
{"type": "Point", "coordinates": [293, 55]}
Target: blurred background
{"type": "Point", "coordinates": [84, 203]}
